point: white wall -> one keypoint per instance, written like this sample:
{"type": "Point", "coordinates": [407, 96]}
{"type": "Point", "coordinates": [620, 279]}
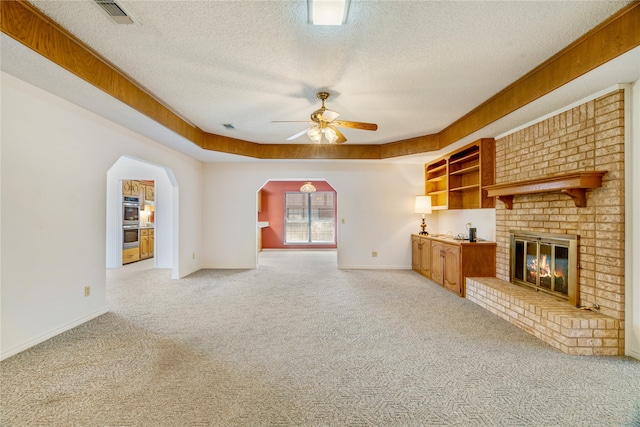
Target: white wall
{"type": "Point", "coordinates": [128, 168]}
{"type": "Point", "coordinates": [632, 218]}
{"type": "Point", "coordinates": [454, 221]}
{"type": "Point", "coordinates": [55, 158]}
{"type": "Point", "coordinates": [375, 200]}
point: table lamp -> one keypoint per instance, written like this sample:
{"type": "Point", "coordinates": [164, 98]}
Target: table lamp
{"type": "Point", "coordinates": [423, 206]}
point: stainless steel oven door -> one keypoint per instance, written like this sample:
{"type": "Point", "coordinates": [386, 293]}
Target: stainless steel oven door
{"type": "Point", "coordinates": [130, 214]}
{"type": "Point", "coordinates": [130, 237]}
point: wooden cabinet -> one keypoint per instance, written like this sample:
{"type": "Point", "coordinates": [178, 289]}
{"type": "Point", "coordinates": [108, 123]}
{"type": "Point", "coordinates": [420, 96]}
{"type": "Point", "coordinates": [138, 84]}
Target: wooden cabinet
{"type": "Point", "coordinates": [452, 279]}
{"type": "Point", "coordinates": [453, 261]}
{"type": "Point", "coordinates": [458, 180]}
{"type": "Point", "coordinates": [149, 193]}
{"type": "Point", "coordinates": [130, 255]}
{"type": "Point", "coordinates": [126, 187]}
{"type": "Point", "coordinates": [436, 183]}
{"type": "Point", "coordinates": [421, 254]}
{"type": "Point", "coordinates": [130, 187]}
{"type": "Point", "coordinates": [449, 262]}
{"type": "Point", "coordinates": [152, 242]}
{"type": "Point", "coordinates": [437, 262]}
{"type": "Point", "coordinates": [146, 243]}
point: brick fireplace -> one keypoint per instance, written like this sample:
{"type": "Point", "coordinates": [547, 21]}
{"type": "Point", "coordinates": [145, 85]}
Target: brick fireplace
{"type": "Point", "coordinates": [589, 137]}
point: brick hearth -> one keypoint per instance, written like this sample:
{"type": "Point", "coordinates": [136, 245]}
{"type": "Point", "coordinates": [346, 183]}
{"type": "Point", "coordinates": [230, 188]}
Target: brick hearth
{"type": "Point", "coordinates": [569, 329]}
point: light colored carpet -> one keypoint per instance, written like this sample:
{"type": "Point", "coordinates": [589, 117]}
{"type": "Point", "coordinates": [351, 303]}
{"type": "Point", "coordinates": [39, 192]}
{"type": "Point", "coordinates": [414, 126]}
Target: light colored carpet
{"type": "Point", "coordinates": [298, 342]}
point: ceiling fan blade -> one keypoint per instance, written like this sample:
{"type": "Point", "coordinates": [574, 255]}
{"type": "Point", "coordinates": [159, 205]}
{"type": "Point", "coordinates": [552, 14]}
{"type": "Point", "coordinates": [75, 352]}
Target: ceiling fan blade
{"type": "Point", "coordinates": [291, 121]}
{"type": "Point", "coordinates": [341, 137]}
{"type": "Point", "coordinates": [355, 125]}
{"type": "Point", "coordinates": [328, 115]}
{"type": "Point", "coordinates": [299, 134]}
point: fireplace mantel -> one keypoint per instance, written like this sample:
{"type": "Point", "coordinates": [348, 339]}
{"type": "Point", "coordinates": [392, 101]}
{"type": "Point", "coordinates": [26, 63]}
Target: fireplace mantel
{"type": "Point", "coordinates": [572, 184]}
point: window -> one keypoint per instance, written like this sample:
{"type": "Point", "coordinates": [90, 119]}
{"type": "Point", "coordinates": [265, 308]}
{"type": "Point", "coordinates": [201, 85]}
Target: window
{"type": "Point", "coordinates": [309, 217]}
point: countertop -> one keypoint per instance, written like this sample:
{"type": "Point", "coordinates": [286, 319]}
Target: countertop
{"type": "Point", "coordinates": [452, 240]}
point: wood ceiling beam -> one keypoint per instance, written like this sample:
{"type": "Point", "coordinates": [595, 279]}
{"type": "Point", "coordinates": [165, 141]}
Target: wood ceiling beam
{"type": "Point", "coordinates": [615, 36]}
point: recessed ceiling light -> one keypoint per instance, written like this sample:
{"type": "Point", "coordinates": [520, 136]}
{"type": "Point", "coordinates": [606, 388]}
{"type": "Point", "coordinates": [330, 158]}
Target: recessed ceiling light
{"type": "Point", "coordinates": [328, 12]}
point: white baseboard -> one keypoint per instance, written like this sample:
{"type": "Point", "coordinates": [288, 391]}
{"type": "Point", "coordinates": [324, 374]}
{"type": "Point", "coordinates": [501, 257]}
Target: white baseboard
{"type": "Point", "coordinates": [228, 267]}
{"type": "Point", "coordinates": [374, 267]}
{"type": "Point", "coordinates": [42, 338]}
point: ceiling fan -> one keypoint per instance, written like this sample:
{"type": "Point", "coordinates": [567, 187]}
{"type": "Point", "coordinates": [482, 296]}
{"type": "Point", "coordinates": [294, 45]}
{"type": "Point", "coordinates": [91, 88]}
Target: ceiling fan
{"type": "Point", "coordinates": [325, 124]}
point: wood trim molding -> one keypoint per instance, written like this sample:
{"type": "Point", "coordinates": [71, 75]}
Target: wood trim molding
{"type": "Point", "coordinates": [615, 36]}
{"type": "Point", "coordinates": [572, 184]}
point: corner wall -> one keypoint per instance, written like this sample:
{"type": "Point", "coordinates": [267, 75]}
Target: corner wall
{"type": "Point", "coordinates": [55, 158]}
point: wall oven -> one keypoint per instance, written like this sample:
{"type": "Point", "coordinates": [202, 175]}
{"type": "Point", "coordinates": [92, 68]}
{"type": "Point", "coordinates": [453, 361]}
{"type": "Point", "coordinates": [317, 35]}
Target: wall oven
{"type": "Point", "coordinates": [130, 210]}
{"type": "Point", "coordinates": [130, 236]}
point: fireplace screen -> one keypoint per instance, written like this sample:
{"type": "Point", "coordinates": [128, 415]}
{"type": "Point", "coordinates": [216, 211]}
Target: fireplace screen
{"type": "Point", "coordinates": [545, 262]}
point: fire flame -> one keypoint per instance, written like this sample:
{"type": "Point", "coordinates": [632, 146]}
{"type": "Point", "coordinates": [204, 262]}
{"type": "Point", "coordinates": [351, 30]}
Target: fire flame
{"type": "Point", "coordinates": [544, 269]}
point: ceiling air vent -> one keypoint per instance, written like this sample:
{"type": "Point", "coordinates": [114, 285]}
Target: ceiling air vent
{"type": "Point", "coordinates": [114, 11]}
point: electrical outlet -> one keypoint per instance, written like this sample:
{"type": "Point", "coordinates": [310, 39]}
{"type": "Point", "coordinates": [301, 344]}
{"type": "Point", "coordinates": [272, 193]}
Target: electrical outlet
{"type": "Point", "coordinates": [87, 291]}
{"type": "Point", "coordinates": [342, 221]}
{"type": "Point", "coordinates": [374, 254]}
{"type": "Point", "coordinates": [193, 255]}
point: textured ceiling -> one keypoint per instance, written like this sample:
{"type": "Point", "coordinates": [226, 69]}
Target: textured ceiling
{"type": "Point", "coordinates": [412, 67]}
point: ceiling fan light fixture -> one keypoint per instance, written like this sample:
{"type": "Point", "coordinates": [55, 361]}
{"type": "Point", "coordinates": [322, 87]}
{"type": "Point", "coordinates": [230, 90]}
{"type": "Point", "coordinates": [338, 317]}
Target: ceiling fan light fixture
{"type": "Point", "coordinates": [328, 12]}
{"type": "Point", "coordinates": [315, 134]}
{"type": "Point", "coordinates": [331, 135]}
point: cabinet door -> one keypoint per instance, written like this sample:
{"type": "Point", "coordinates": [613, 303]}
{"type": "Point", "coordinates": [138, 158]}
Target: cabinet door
{"type": "Point", "coordinates": [425, 257]}
{"type": "Point", "coordinates": [126, 187]}
{"type": "Point", "coordinates": [452, 279]}
{"type": "Point", "coordinates": [135, 188]}
{"type": "Point", "coordinates": [149, 192]}
{"type": "Point", "coordinates": [415, 253]}
{"type": "Point", "coordinates": [152, 242]}
{"type": "Point", "coordinates": [437, 262]}
{"type": "Point", "coordinates": [144, 247]}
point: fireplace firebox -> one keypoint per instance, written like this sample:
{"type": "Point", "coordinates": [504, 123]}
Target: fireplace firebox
{"type": "Point", "coordinates": [546, 262]}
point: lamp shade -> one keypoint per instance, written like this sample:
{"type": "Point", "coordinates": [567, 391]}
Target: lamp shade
{"type": "Point", "coordinates": [423, 205]}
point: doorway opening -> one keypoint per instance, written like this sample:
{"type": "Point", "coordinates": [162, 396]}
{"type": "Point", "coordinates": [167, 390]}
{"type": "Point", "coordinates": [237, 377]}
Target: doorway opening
{"type": "Point", "coordinates": [156, 211]}
{"type": "Point", "coordinates": [290, 219]}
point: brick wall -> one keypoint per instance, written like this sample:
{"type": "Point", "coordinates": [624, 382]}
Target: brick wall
{"type": "Point", "coordinates": [587, 137]}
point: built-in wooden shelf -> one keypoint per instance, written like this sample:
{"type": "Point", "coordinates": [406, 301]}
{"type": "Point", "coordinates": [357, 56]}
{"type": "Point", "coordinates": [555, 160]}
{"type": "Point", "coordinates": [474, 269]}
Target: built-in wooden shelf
{"type": "Point", "coordinates": [573, 184]}
{"type": "Point", "coordinates": [457, 180]}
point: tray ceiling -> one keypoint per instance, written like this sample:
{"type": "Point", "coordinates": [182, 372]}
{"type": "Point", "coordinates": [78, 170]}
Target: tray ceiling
{"type": "Point", "coordinates": [412, 67]}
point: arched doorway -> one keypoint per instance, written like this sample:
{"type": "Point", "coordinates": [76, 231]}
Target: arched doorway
{"type": "Point", "coordinates": [165, 224]}
{"type": "Point", "coordinates": [289, 218]}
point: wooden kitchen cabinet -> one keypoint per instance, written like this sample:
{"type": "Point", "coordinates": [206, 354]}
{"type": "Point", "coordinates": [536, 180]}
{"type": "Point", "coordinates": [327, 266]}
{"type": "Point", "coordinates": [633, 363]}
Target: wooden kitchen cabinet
{"type": "Point", "coordinates": [149, 193]}
{"type": "Point", "coordinates": [130, 187]}
{"type": "Point", "coordinates": [130, 255]}
{"type": "Point", "coordinates": [152, 242]}
{"type": "Point", "coordinates": [144, 243]}
{"type": "Point", "coordinates": [421, 254]}
{"type": "Point", "coordinates": [453, 261]}
{"type": "Point", "coordinates": [147, 241]}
